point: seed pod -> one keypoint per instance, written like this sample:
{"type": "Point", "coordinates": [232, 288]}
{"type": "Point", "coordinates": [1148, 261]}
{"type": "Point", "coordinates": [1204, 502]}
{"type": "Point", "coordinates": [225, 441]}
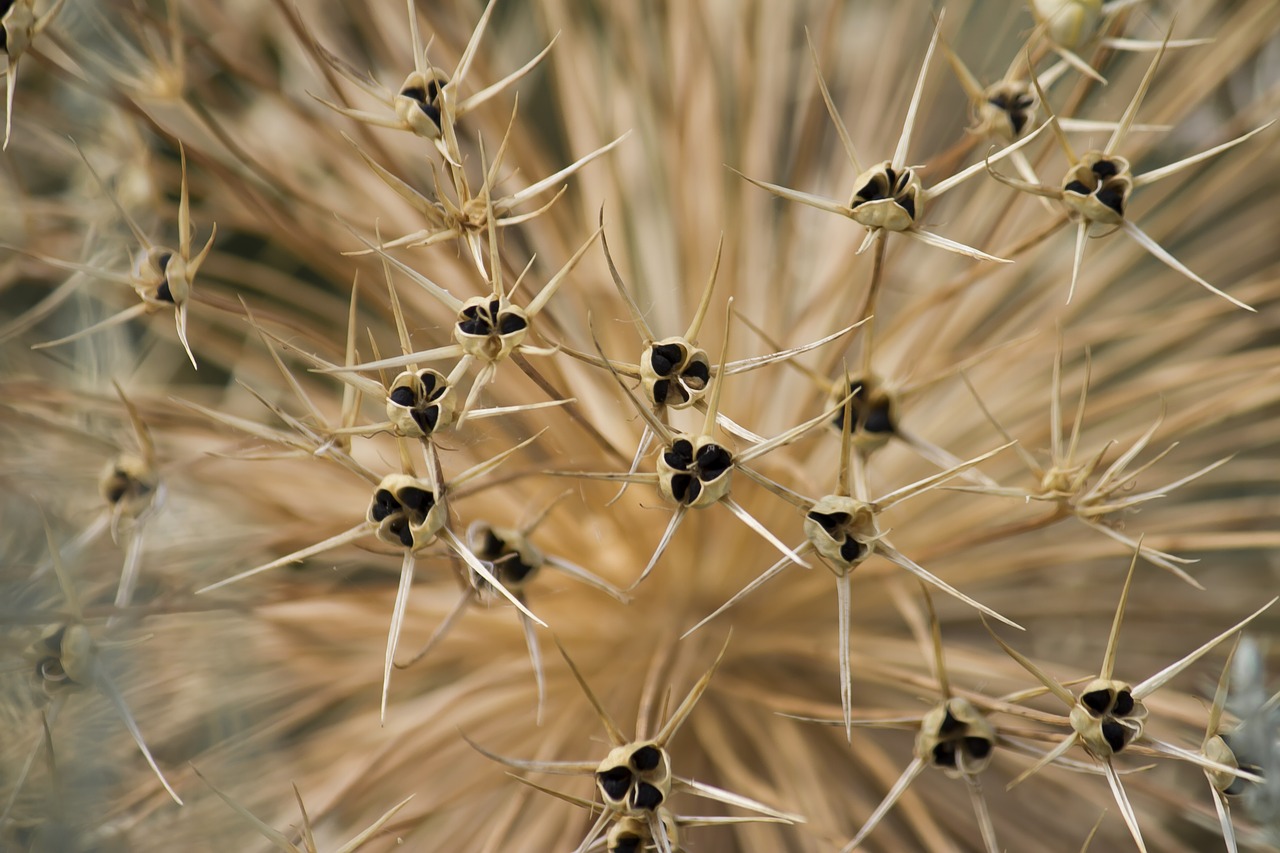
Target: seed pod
{"type": "Point", "coordinates": [420, 403]}
{"type": "Point", "coordinates": [842, 530]}
{"type": "Point", "coordinates": [674, 373]}
{"type": "Point", "coordinates": [635, 777]}
{"type": "Point", "coordinates": [1107, 716]}
{"type": "Point", "coordinates": [406, 512]}
{"type": "Point", "coordinates": [419, 102]}
{"type": "Point", "coordinates": [515, 559]}
{"type": "Point", "coordinates": [1007, 109]}
{"type": "Point", "coordinates": [874, 409]}
{"type": "Point", "coordinates": [885, 197]}
{"type": "Point", "coordinates": [62, 658]}
{"type": "Point", "coordinates": [1097, 189]}
{"type": "Point", "coordinates": [956, 738]}
{"type": "Point", "coordinates": [694, 472]}
{"type": "Point", "coordinates": [631, 834]}
{"type": "Point", "coordinates": [128, 484]}
{"type": "Point", "coordinates": [488, 330]}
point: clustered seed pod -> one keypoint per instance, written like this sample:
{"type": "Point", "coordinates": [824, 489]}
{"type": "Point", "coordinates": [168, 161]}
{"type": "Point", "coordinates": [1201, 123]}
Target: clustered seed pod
{"type": "Point", "coordinates": [1008, 108]}
{"type": "Point", "coordinates": [1107, 716]}
{"type": "Point", "coordinates": [420, 403]}
{"type": "Point", "coordinates": [515, 559]}
{"type": "Point", "coordinates": [128, 484]}
{"type": "Point", "coordinates": [674, 373]}
{"type": "Point", "coordinates": [406, 511]}
{"type": "Point", "coordinates": [1097, 189]}
{"type": "Point", "coordinates": [419, 102]}
{"type": "Point", "coordinates": [632, 835]}
{"type": "Point", "coordinates": [694, 472]}
{"type": "Point", "coordinates": [1069, 23]}
{"type": "Point", "coordinates": [874, 408]}
{"type": "Point", "coordinates": [62, 658]}
{"type": "Point", "coordinates": [635, 777]}
{"type": "Point", "coordinates": [889, 198]}
{"type": "Point", "coordinates": [488, 330]}
{"type": "Point", "coordinates": [842, 530]}
{"type": "Point", "coordinates": [956, 738]}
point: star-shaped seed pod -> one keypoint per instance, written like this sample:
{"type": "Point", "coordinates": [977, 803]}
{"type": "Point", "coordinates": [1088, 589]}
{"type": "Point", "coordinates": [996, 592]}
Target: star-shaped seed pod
{"type": "Point", "coordinates": [489, 329]}
{"type": "Point", "coordinates": [954, 736]}
{"type": "Point", "coordinates": [635, 779]}
{"type": "Point", "coordinates": [1068, 483]}
{"type": "Point", "coordinates": [19, 26]}
{"type": "Point", "coordinates": [515, 561]}
{"type": "Point", "coordinates": [283, 842]}
{"type": "Point", "coordinates": [844, 532]}
{"type": "Point", "coordinates": [1098, 184]}
{"type": "Point", "coordinates": [695, 471]}
{"type": "Point", "coordinates": [410, 514]}
{"type": "Point", "coordinates": [675, 373]}
{"type": "Point", "coordinates": [428, 103]}
{"type": "Point", "coordinates": [890, 196]}
{"type": "Point", "coordinates": [1108, 716]}
{"type": "Point", "coordinates": [68, 659]}
{"type": "Point", "coordinates": [162, 278]}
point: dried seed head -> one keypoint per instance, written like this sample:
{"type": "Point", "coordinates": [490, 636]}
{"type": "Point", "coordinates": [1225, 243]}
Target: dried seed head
{"type": "Point", "coordinates": [406, 511]}
{"type": "Point", "coordinates": [1097, 189]}
{"type": "Point", "coordinates": [1069, 23]}
{"type": "Point", "coordinates": [488, 330]}
{"type": "Point", "coordinates": [842, 530]}
{"type": "Point", "coordinates": [1007, 109]}
{"type": "Point", "coordinates": [420, 101]}
{"type": "Point", "coordinates": [128, 484]}
{"type": "Point", "coordinates": [1107, 716]}
{"type": "Point", "coordinates": [885, 197]}
{"type": "Point", "coordinates": [674, 373]}
{"type": "Point", "coordinates": [420, 403]}
{"type": "Point", "coordinates": [874, 408]}
{"type": "Point", "coordinates": [956, 738]}
{"type": "Point", "coordinates": [515, 559]}
{"type": "Point", "coordinates": [635, 777]}
{"type": "Point", "coordinates": [694, 472]}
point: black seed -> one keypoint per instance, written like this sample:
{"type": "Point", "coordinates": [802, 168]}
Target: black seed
{"type": "Point", "coordinates": [428, 380]}
{"type": "Point", "coordinates": [119, 487]}
{"type": "Point", "coordinates": [426, 419]}
{"type": "Point", "coordinates": [423, 98]}
{"type": "Point", "coordinates": [477, 327]}
{"type": "Point", "coordinates": [944, 755]}
{"type": "Point", "coordinates": [1076, 187]}
{"type": "Point", "coordinates": [515, 570]}
{"type": "Point", "coordinates": [471, 312]}
{"type": "Point", "coordinates": [831, 521]}
{"type": "Point", "coordinates": [1115, 735]}
{"type": "Point", "coordinates": [1023, 102]}
{"type": "Point", "coordinates": [697, 374]}
{"type": "Point", "coordinates": [663, 359]}
{"type": "Point", "coordinates": [908, 204]}
{"type": "Point", "coordinates": [1018, 120]}
{"type": "Point", "coordinates": [695, 489]}
{"type": "Point", "coordinates": [417, 500]}
{"type": "Point", "coordinates": [493, 545]}
{"type": "Point", "coordinates": [614, 782]}
{"type": "Point", "coordinates": [872, 191]}
{"type": "Point", "coordinates": [891, 177]}
{"type": "Point", "coordinates": [384, 503]}
{"type": "Point", "coordinates": [510, 323]}
{"type": "Point", "coordinates": [661, 390]}
{"type": "Point", "coordinates": [1124, 704]}
{"type": "Point", "coordinates": [977, 747]}
{"type": "Point", "coordinates": [646, 758]}
{"type": "Point", "coordinates": [1113, 197]}
{"type": "Point", "coordinates": [852, 550]}
{"type": "Point", "coordinates": [164, 294]}
{"type": "Point", "coordinates": [950, 725]}
{"type": "Point", "coordinates": [878, 419]}
{"type": "Point", "coordinates": [646, 797]}
{"type": "Point", "coordinates": [1001, 101]}
{"type": "Point", "coordinates": [1104, 169]}
{"type": "Point", "coordinates": [713, 460]}
{"type": "Point", "coordinates": [1097, 701]}
{"type": "Point", "coordinates": [399, 528]}
{"type": "Point", "coordinates": [626, 844]}
{"type": "Point", "coordinates": [680, 456]}
{"type": "Point", "coordinates": [402, 396]}
{"type": "Point", "coordinates": [494, 307]}
{"type": "Point", "coordinates": [680, 486]}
